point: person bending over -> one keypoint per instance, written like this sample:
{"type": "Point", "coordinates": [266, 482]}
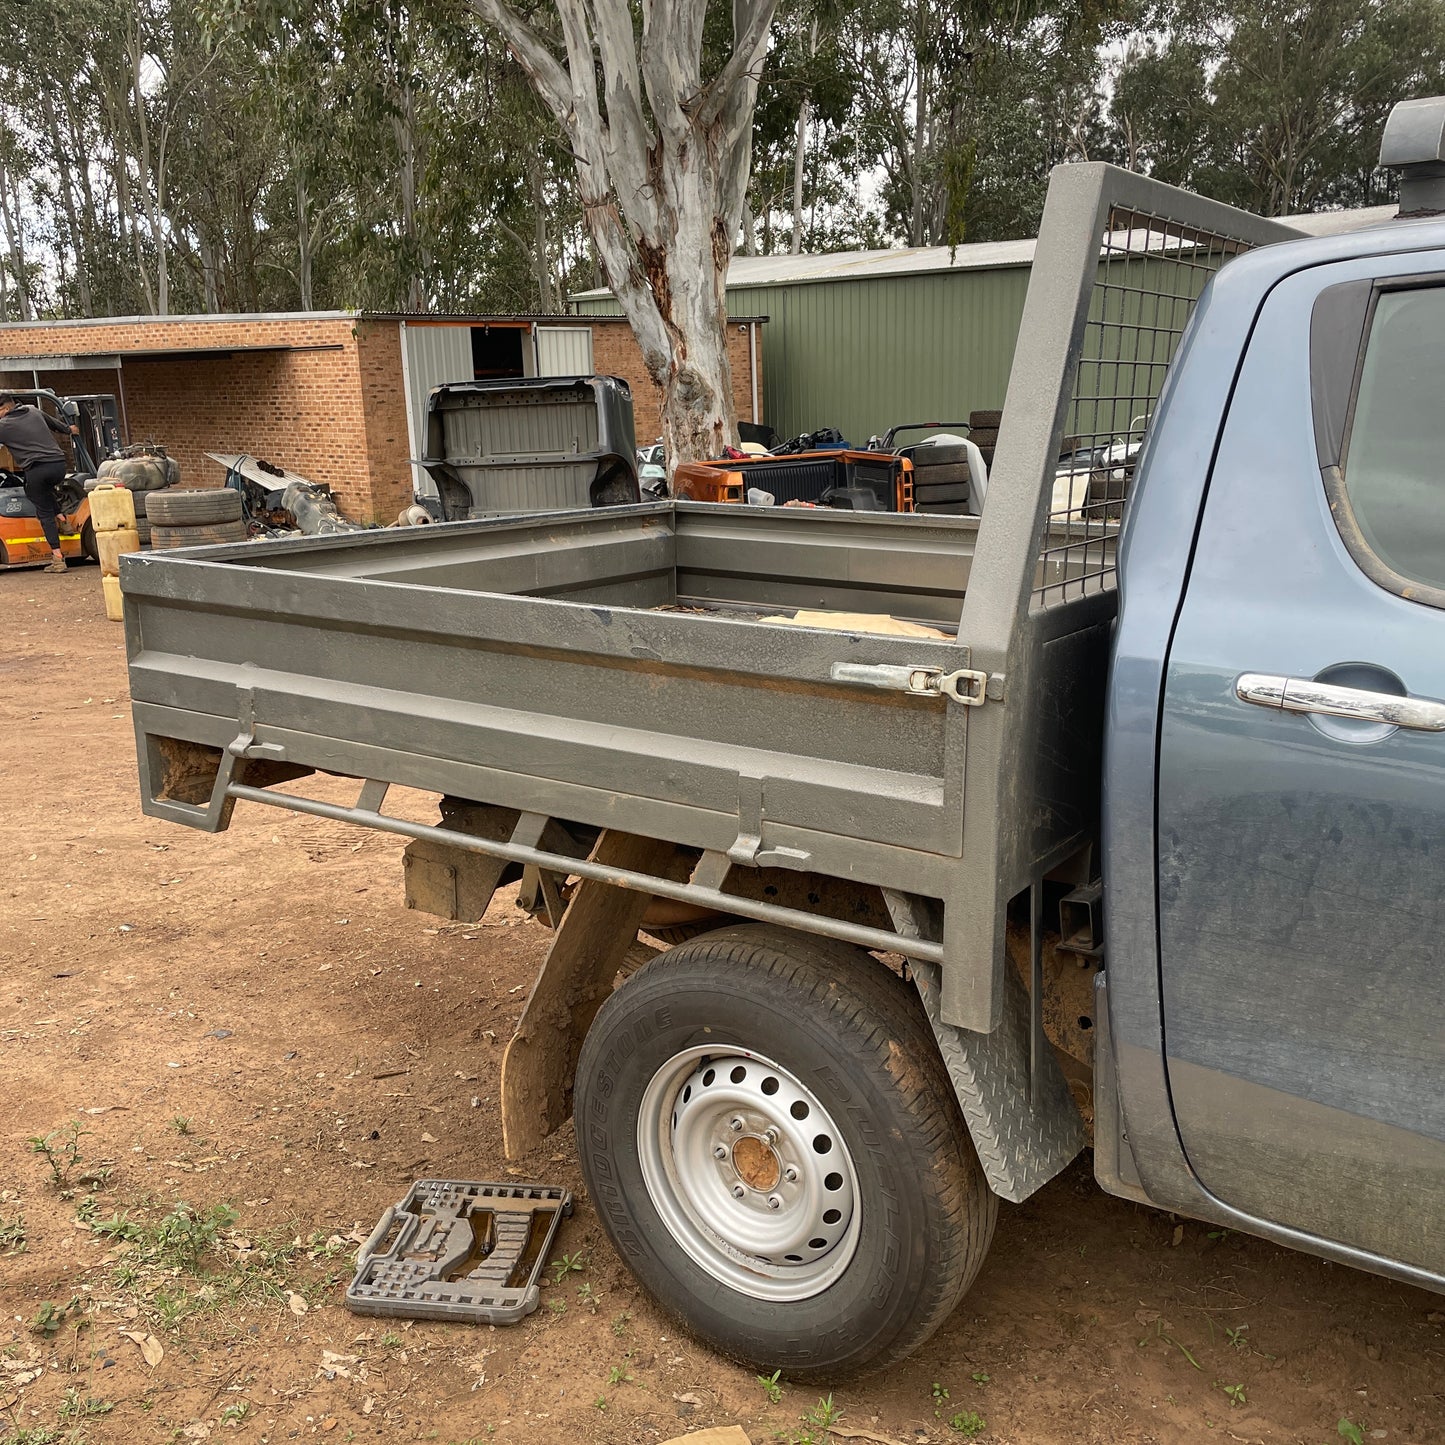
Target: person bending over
{"type": "Point", "coordinates": [26, 430]}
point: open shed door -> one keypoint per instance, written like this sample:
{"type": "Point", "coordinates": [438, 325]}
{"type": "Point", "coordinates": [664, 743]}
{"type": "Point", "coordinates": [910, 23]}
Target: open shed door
{"type": "Point", "coordinates": [430, 355]}
{"type": "Point", "coordinates": [564, 350]}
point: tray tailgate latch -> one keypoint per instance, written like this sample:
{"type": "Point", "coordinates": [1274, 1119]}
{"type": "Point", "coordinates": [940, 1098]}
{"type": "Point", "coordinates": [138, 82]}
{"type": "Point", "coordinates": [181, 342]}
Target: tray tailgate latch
{"type": "Point", "coordinates": [966, 684]}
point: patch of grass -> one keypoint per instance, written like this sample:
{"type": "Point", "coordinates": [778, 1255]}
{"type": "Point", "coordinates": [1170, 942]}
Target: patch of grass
{"type": "Point", "coordinates": [51, 1318]}
{"type": "Point", "coordinates": [1348, 1430]}
{"type": "Point", "coordinates": [236, 1411]}
{"type": "Point", "coordinates": [981, 1377]}
{"type": "Point", "coordinates": [1236, 1337]}
{"type": "Point", "coordinates": [60, 1149]}
{"type": "Point", "coordinates": [968, 1423]}
{"type": "Point", "coordinates": [771, 1388]}
{"type": "Point", "coordinates": [77, 1407]}
{"type": "Point", "coordinates": [557, 1306]}
{"type": "Point", "coordinates": [586, 1296]}
{"type": "Point", "coordinates": [618, 1375]}
{"type": "Point", "coordinates": [390, 1341]}
{"type": "Point", "coordinates": [600, 1403]}
{"type": "Point", "coordinates": [181, 1239]}
{"type": "Point", "coordinates": [1161, 1334]}
{"type": "Point", "coordinates": [620, 1323]}
{"type": "Point", "coordinates": [817, 1422]}
{"type": "Point", "coordinates": [181, 1124]}
{"type": "Point", "coordinates": [163, 1255]}
{"type": "Point", "coordinates": [1234, 1392]}
{"type": "Point", "coordinates": [13, 1239]}
{"type": "Point", "coordinates": [567, 1264]}
{"type": "Point", "coordinates": [824, 1415]}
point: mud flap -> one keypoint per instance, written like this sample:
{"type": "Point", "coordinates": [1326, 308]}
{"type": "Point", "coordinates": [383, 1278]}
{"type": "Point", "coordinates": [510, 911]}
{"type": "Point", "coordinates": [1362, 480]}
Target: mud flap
{"type": "Point", "coordinates": [588, 950]}
{"type": "Point", "coordinates": [1022, 1142]}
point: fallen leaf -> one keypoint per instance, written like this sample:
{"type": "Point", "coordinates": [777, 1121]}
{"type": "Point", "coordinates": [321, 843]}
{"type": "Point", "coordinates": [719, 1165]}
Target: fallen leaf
{"type": "Point", "coordinates": [150, 1347]}
{"type": "Point", "coordinates": [333, 1364]}
{"type": "Point", "coordinates": [298, 1305]}
{"type": "Point", "coordinates": [368, 1405]}
{"type": "Point", "coordinates": [329, 1423]}
{"type": "Point", "coordinates": [196, 1430]}
{"type": "Point", "coordinates": [1178, 1238]}
{"type": "Point", "coordinates": [428, 1138]}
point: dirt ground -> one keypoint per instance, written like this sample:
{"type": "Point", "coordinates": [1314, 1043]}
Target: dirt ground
{"type": "Point", "coordinates": [254, 1019]}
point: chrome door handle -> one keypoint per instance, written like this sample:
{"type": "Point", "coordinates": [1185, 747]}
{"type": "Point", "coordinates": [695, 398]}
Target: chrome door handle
{"type": "Point", "coordinates": [1301, 694]}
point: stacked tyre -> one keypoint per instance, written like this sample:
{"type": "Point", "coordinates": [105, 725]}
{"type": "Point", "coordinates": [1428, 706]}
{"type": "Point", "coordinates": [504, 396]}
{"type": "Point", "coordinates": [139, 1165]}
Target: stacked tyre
{"type": "Point", "coordinates": [941, 480]}
{"type": "Point", "coordinates": [194, 517]}
{"type": "Point", "coordinates": [983, 432]}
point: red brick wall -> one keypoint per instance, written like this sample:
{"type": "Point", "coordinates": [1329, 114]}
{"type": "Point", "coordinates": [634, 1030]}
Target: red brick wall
{"type": "Point", "coordinates": [615, 352]}
{"type": "Point", "coordinates": [331, 407]}
{"type": "Point", "coordinates": [305, 408]}
{"type": "Point", "coordinates": [382, 398]}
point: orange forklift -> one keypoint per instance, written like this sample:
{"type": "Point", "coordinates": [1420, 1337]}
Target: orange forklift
{"type": "Point", "coordinates": [21, 542]}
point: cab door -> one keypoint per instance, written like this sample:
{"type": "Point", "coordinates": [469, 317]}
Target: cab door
{"type": "Point", "coordinates": [1301, 774]}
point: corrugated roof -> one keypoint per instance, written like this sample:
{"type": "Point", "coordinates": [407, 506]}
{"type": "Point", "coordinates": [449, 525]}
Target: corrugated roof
{"type": "Point", "coordinates": [745, 271]}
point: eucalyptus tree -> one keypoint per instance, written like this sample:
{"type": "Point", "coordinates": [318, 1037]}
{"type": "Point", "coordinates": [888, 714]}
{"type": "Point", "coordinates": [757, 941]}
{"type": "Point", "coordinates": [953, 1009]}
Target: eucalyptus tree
{"type": "Point", "coordinates": [658, 115]}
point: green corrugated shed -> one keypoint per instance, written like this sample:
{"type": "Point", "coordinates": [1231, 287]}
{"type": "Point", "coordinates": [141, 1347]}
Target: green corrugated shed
{"type": "Point", "coordinates": [864, 340]}
{"type": "Point", "coordinates": [919, 340]}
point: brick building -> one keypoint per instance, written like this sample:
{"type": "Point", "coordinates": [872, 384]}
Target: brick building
{"type": "Point", "coordinates": [339, 397]}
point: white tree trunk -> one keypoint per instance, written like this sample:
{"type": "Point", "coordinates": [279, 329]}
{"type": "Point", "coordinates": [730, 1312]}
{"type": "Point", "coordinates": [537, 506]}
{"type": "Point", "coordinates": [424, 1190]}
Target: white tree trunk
{"type": "Point", "coordinates": [303, 235]}
{"type": "Point", "coordinates": [662, 183]}
{"type": "Point", "coordinates": [800, 158]}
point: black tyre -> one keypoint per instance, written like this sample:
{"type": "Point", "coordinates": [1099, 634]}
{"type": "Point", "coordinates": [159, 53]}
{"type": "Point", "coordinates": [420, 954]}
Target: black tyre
{"type": "Point", "coordinates": [940, 456]}
{"type": "Point", "coordinates": [773, 1147]}
{"type": "Point", "coordinates": [958, 492]}
{"type": "Point", "coordinates": [945, 509]}
{"type": "Point", "coordinates": [983, 436]}
{"type": "Point", "coordinates": [87, 540]}
{"type": "Point", "coordinates": [194, 508]}
{"type": "Point", "coordinates": [673, 934]}
{"type": "Point", "coordinates": [164, 537]}
{"type": "Point", "coordinates": [143, 531]}
{"type": "Point", "coordinates": [984, 418]}
{"type": "Point", "coordinates": [945, 475]}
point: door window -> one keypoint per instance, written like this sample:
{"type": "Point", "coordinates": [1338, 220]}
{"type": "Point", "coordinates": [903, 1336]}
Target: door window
{"type": "Point", "coordinates": [1394, 465]}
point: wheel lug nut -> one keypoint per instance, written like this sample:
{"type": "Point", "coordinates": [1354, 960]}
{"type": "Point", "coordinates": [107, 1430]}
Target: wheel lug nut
{"type": "Point", "coordinates": [790, 1174]}
{"type": "Point", "coordinates": [720, 1152]}
{"type": "Point", "coordinates": [775, 1201]}
{"type": "Point", "coordinates": [736, 1124]}
{"type": "Point", "coordinates": [738, 1191]}
{"type": "Point", "coordinates": [771, 1135]}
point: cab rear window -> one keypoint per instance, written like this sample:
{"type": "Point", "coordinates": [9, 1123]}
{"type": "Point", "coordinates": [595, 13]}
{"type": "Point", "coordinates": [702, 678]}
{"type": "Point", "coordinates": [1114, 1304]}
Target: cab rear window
{"type": "Point", "coordinates": [1393, 468]}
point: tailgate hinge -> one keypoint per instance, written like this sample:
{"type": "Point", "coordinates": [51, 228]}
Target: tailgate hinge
{"type": "Point", "coordinates": [967, 685]}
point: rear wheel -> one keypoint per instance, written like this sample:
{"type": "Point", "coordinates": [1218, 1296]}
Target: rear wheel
{"type": "Point", "coordinates": [771, 1142]}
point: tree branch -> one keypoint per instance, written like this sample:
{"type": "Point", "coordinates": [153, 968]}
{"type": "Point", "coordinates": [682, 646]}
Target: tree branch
{"type": "Point", "coordinates": [532, 53]}
{"type": "Point", "coordinates": [752, 21]}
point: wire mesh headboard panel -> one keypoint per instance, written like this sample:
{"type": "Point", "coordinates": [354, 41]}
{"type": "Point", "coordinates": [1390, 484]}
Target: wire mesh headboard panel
{"type": "Point", "coordinates": [1151, 271]}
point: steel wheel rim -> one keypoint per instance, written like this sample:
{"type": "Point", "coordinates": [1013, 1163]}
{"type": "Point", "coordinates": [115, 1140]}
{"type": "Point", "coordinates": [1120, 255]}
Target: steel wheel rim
{"type": "Point", "coordinates": [749, 1173]}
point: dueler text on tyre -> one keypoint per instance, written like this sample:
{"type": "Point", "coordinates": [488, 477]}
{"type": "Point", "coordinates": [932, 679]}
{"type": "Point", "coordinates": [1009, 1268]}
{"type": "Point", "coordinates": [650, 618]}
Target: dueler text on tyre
{"type": "Point", "coordinates": [772, 1145]}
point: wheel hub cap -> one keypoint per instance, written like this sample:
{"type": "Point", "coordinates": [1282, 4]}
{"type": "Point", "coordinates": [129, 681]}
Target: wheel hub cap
{"type": "Point", "coordinates": [756, 1164]}
{"type": "Point", "coordinates": [749, 1173]}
